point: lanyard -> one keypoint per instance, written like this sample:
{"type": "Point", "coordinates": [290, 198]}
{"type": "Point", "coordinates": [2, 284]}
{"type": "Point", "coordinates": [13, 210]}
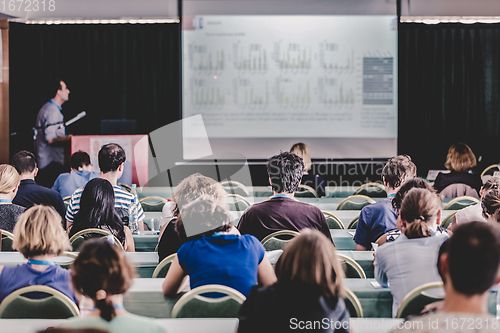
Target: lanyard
{"type": "Point", "coordinates": [116, 306]}
{"type": "Point", "coordinates": [282, 195]}
{"type": "Point", "coordinates": [41, 262]}
{"type": "Point", "coordinates": [6, 201]}
{"type": "Point", "coordinates": [51, 101]}
{"type": "Point", "coordinates": [391, 195]}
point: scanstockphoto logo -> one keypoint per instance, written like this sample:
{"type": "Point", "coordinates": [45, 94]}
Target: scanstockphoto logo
{"type": "Point", "coordinates": [168, 147]}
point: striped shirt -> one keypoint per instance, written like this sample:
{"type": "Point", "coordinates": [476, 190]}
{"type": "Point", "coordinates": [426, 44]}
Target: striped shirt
{"type": "Point", "coordinates": [123, 201]}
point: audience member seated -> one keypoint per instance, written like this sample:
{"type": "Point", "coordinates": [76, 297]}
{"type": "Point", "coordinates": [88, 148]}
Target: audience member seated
{"type": "Point", "coordinates": [29, 193]}
{"type": "Point", "coordinates": [214, 252]}
{"type": "Point", "coordinates": [309, 288]}
{"type": "Point", "coordinates": [410, 260]}
{"type": "Point", "coordinates": [102, 273]}
{"type": "Point", "coordinates": [474, 213]}
{"type": "Point", "coordinates": [491, 206]}
{"type": "Point", "coordinates": [39, 236]}
{"type": "Point", "coordinates": [9, 183]}
{"type": "Point", "coordinates": [469, 267]}
{"type": "Point", "coordinates": [97, 211]}
{"type": "Point", "coordinates": [459, 181]}
{"type": "Point", "coordinates": [392, 235]}
{"type": "Point", "coordinates": [282, 211]}
{"type": "Point", "coordinates": [81, 172]}
{"type": "Point", "coordinates": [378, 218]}
{"type": "Point", "coordinates": [189, 189]}
{"type": "Point", "coordinates": [111, 160]}
{"type": "Point", "coordinates": [315, 181]}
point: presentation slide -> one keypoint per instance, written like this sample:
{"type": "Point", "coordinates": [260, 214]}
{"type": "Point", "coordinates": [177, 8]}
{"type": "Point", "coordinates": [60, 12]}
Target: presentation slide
{"type": "Point", "coordinates": [291, 78]}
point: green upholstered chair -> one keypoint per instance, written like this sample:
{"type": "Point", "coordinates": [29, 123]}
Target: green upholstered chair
{"type": "Point", "coordinates": [277, 240]}
{"type": "Point", "coordinates": [415, 301]}
{"type": "Point", "coordinates": [372, 190]}
{"type": "Point", "coordinates": [153, 203]}
{"type": "Point", "coordinates": [235, 187]}
{"type": "Point", "coordinates": [162, 268]}
{"type": "Point", "coordinates": [333, 221]}
{"type": "Point", "coordinates": [7, 239]}
{"type": "Point", "coordinates": [77, 239]}
{"type": "Point", "coordinates": [55, 305]}
{"type": "Point", "coordinates": [237, 202]}
{"type": "Point", "coordinates": [355, 202]}
{"type": "Point", "coordinates": [306, 191]}
{"type": "Point", "coordinates": [194, 305]}
{"type": "Point", "coordinates": [353, 304]}
{"type": "Point", "coordinates": [461, 202]}
{"type": "Point", "coordinates": [351, 268]}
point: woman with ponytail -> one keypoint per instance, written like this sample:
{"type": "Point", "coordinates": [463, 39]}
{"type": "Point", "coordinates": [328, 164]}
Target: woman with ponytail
{"type": "Point", "coordinates": [410, 260]}
{"type": "Point", "coordinates": [102, 273]}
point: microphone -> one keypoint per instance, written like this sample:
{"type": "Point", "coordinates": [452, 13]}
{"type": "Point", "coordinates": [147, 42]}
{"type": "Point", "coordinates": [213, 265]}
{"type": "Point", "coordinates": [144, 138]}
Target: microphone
{"type": "Point", "coordinates": [76, 118]}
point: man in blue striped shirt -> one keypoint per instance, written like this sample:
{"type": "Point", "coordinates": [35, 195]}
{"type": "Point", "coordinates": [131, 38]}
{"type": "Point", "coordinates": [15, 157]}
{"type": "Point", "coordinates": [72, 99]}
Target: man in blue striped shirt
{"type": "Point", "coordinates": [111, 163]}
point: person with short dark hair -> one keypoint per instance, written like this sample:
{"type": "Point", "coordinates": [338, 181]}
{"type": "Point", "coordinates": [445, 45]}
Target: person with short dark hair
{"type": "Point", "coordinates": [214, 252]}
{"type": "Point", "coordinates": [316, 182]}
{"type": "Point", "coordinates": [460, 181]}
{"type": "Point", "coordinates": [29, 193]}
{"type": "Point", "coordinates": [81, 172]}
{"type": "Point", "coordinates": [469, 265]}
{"type": "Point", "coordinates": [310, 287]}
{"type": "Point", "coordinates": [378, 218]}
{"type": "Point", "coordinates": [102, 273]}
{"type": "Point", "coordinates": [111, 160]}
{"type": "Point", "coordinates": [51, 134]}
{"type": "Point", "coordinates": [282, 211]}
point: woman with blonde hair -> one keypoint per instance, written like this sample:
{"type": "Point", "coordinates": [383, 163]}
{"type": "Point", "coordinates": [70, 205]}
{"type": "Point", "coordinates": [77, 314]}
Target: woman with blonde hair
{"type": "Point", "coordinates": [460, 161]}
{"type": "Point", "coordinates": [9, 183]}
{"type": "Point", "coordinates": [316, 182]}
{"type": "Point", "coordinates": [40, 237]}
{"type": "Point", "coordinates": [102, 273]}
{"type": "Point", "coordinates": [309, 288]}
{"type": "Point", "coordinates": [410, 260]}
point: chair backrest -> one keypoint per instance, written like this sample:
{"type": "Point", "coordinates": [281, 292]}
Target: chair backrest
{"type": "Point", "coordinates": [55, 305]}
{"type": "Point", "coordinates": [490, 170]}
{"type": "Point", "coordinates": [355, 202]}
{"type": "Point", "coordinates": [277, 240]}
{"type": "Point", "coordinates": [353, 304]}
{"type": "Point", "coordinates": [351, 268]}
{"type": "Point", "coordinates": [447, 220]}
{"type": "Point", "coordinates": [66, 201]}
{"type": "Point", "coordinates": [372, 190]}
{"type": "Point", "coordinates": [77, 239]}
{"type": "Point", "coordinates": [6, 240]}
{"type": "Point", "coordinates": [237, 202]}
{"type": "Point", "coordinates": [306, 191]}
{"type": "Point", "coordinates": [153, 203]}
{"type": "Point", "coordinates": [333, 221]}
{"type": "Point", "coordinates": [194, 305]}
{"type": "Point", "coordinates": [354, 223]}
{"type": "Point", "coordinates": [458, 190]}
{"type": "Point", "coordinates": [417, 299]}
{"type": "Point", "coordinates": [162, 268]}
{"type": "Point", "coordinates": [461, 202]}
{"type": "Point", "coordinates": [70, 255]}
{"type": "Point", "coordinates": [235, 187]}
{"type": "Point", "coordinates": [126, 187]}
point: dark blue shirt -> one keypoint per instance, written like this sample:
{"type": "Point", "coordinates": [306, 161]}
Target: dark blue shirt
{"type": "Point", "coordinates": [30, 194]}
{"type": "Point", "coordinates": [375, 220]}
{"type": "Point", "coordinates": [229, 260]}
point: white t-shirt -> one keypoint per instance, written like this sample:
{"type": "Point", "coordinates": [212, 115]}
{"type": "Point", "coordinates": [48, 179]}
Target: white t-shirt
{"type": "Point", "coordinates": [472, 213]}
{"type": "Point", "coordinates": [449, 322]}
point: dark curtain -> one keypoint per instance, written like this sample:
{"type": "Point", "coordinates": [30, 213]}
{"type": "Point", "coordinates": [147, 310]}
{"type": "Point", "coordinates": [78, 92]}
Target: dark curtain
{"type": "Point", "coordinates": [449, 91]}
{"type": "Point", "coordinates": [114, 71]}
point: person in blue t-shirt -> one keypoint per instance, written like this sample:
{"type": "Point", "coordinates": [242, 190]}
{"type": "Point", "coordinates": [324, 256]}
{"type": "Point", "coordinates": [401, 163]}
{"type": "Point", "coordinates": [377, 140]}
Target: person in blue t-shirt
{"type": "Point", "coordinates": [378, 218]}
{"type": "Point", "coordinates": [214, 252]}
{"type": "Point", "coordinates": [81, 172]}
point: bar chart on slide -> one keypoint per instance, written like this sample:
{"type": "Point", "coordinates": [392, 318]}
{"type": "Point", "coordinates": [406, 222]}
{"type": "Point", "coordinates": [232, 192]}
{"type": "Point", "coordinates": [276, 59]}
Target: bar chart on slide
{"type": "Point", "coordinates": [251, 93]}
{"type": "Point", "coordinates": [251, 57]}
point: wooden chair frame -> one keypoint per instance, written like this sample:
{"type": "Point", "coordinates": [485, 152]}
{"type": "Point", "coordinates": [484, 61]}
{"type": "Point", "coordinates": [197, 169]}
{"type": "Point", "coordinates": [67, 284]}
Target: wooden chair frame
{"type": "Point", "coordinates": [279, 233]}
{"type": "Point", "coordinates": [448, 219]}
{"type": "Point", "coordinates": [370, 184]}
{"type": "Point", "coordinates": [354, 221]}
{"type": "Point", "coordinates": [490, 167]}
{"type": "Point", "coordinates": [305, 189]}
{"type": "Point", "coordinates": [416, 292]}
{"type": "Point", "coordinates": [238, 198]}
{"type": "Point", "coordinates": [354, 300]}
{"type": "Point", "coordinates": [196, 293]}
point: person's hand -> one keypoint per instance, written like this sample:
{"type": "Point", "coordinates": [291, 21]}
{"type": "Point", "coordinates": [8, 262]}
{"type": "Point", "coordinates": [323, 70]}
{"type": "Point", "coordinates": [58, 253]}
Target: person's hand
{"type": "Point", "coordinates": [433, 307]}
